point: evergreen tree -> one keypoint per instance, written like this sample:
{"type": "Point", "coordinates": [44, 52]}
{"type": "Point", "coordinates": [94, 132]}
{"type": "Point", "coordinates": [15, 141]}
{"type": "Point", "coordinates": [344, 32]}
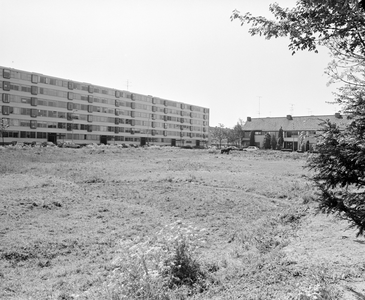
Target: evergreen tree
{"type": "Point", "coordinates": [267, 141]}
{"type": "Point", "coordinates": [273, 142]}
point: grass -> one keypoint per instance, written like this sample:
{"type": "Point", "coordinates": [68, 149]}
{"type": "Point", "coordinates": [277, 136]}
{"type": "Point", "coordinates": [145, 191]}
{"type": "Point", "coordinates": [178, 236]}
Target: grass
{"type": "Point", "coordinates": [154, 224]}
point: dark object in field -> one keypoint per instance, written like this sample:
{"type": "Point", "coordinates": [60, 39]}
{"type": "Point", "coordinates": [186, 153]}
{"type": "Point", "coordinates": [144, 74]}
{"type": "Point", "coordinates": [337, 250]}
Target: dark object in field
{"type": "Point", "coordinates": [226, 150]}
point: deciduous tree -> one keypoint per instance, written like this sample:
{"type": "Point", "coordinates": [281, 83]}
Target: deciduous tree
{"type": "Point", "coordinates": [338, 25]}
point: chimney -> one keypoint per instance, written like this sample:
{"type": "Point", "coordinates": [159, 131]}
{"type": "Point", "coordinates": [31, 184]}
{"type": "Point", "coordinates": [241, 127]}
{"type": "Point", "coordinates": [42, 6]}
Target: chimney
{"type": "Point", "coordinates": [248, 119]}
{"type": "Point", "coordinates": [289, 117]}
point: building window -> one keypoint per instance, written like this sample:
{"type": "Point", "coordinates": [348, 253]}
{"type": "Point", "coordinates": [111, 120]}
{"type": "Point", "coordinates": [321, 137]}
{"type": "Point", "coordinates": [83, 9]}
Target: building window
{"type": "Point", "coordinates": [6, 73]}
{"type": "Point", "coordinates": [117, 94]}
{"type": "Point", "coordinates": [6, 85]}
{"type": "Point", "coordinates": [70, 95]}
{"type": "Point", "coordinates": [33, 113]}
{"type": "Point", "coordinates": [70, 106]}
{"type": "Point", "coordinates": [70, 85]}
{"type": "Point", "coordinates": [91, 89]}
{"type": "Point", "coordinates": [34, 90]}
{"type": "Point", "coordinates": [6, 110]}
{"type": "Point", "coordinates": [89, 118]}
{"type": "Point", "coordinates": [133, 114]}
{"type": "Point", "coordinates": [35, 78]}
{"type": "Point", "coordinates": [6, 98]}
{"type": "Point", "coordinates": [33, 101]}
{"type": "Point", "coordinates": [90, 108]}
{"type": "Point", "coordinates": [90, 98]}
{"type": "Point", "coordinates": [33, 124]}
{"type": "Point", "coordinates": [116, 103]}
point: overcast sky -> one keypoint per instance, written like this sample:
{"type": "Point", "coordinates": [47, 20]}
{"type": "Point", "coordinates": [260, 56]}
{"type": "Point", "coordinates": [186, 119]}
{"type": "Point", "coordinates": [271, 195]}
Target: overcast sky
{"type": "Point", "coordinates": [181, 50]}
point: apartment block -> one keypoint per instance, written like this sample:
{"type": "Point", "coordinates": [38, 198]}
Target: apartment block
{"type": "Point", "coordinates": [38, 108]}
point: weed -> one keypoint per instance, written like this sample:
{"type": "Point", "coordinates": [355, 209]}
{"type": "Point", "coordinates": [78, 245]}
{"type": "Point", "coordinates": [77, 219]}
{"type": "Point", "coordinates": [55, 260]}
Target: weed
{"type": "Point", "coordinates": [152, 268]}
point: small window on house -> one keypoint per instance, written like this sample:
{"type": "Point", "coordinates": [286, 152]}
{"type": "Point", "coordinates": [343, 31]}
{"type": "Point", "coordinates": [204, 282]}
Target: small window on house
{"type": "Point", "coordinates": [191, 128]}
{"type": "Point", "coordinates": [133, 105]}
{"type": "Point", "coordinates": [34, 90]}
{"type": "Point", "coordinates": [89, 128]}
{"type": "Point", "coordinates": [6, 98]}
{"type": "Point", "coordinates": [90, 108]}
{"type": "Point", "coordinates": [154, 108]}
{"type": "Point", "coordinates": [33, 101]}
{"type": "Point", "coordinates": [153, 124]}
{"type": "Point", "coordinates": [181, 120]}
{"type": "Point", "coordinates": [116, 103]}
{"type": "Point", "coordinates": [70, 85]}
{"type": "Point", "coordinates": [133, 114]}
{"type": "Point", "coordinates": [91, 89]}
{"type": "Point", "coordinates": [116, 129]}
{"type": "Point", "coordinates": [165, 125]}
{"type": "Point", "coordinates": [165, 110]}
{"type": "Point", "coordinates": [70, 106]}
{"type": "Point", "coordinates": [182, 106]}
{"type": "Point", "coordinates": [154, 100]}
{"type": "Point", "coordinates": [117, 94]}
{"type": "Point", "coordinates": [70, 95]}
{"type": "Point", "coordinates": [165, 102]}
{"type": "Point", "coordinates": [191, 121]}
{"type": "Point", "coordinates": [133, 97]}
{"type": "Point", "coordinates": [6, 73]}
{"type": "Point", "coordinates": [133, 122]}
{"type": "Point", "coordinates": [35, 78]}
{"type": "Point", "coordinates": [89, 118]}
{"type": "Point", "coordinates": [69, 116]}
{"type": "Point", "coordinates": [165, 133]}
{"type": "Point", "coordinates": [116, 112]}
{"type": "Point", "coordinates": [33, 124]}
{"type": "Point", "coordinates": [6, 85]}
{"type": "Point", "coordinates": [191, 107]}
{"type": "Point", "coordinates": [90, 98]}
{"type": "Point", "coordinates": [116, 121]}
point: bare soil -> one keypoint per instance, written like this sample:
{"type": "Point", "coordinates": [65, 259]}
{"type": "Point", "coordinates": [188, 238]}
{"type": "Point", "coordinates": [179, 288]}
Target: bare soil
{"type": "Point", "coordinates": [63, 213]}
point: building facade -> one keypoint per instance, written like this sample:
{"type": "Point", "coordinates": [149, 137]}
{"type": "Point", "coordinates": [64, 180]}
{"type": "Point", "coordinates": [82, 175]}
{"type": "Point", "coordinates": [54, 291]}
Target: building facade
{"type": "Point", "coordinates": [37, 107]}
{"type": "Point", "coordinates": [299, 133]}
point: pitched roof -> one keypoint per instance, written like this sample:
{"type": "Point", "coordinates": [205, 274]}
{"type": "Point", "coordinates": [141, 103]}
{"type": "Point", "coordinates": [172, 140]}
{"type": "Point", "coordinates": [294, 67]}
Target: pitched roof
{"type": "Point", "coordinates": [297, 123]}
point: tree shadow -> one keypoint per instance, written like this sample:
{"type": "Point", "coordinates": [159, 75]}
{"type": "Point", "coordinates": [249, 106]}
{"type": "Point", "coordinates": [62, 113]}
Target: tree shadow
{"type": "Point", "coordinates": [358, 295]}
{"type": "Point", "coordinates": [360, 242]}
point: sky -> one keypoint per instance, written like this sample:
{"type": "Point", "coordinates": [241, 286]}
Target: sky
{"type": "Point", "coordinates": [181, 50]}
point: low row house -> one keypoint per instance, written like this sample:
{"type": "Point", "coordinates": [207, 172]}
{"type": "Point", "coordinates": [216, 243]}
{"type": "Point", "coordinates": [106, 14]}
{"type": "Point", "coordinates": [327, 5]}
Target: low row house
{"type": "Point", "coordinates": [299, 132]}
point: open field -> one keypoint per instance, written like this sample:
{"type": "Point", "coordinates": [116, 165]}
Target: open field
{"type": "Point", "coordinates": [74, 222]}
